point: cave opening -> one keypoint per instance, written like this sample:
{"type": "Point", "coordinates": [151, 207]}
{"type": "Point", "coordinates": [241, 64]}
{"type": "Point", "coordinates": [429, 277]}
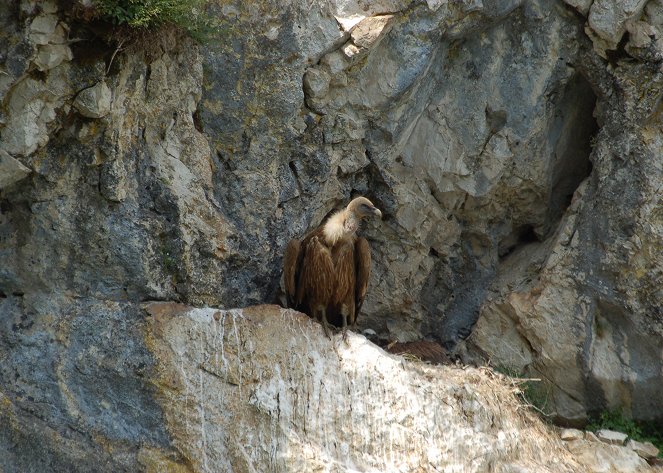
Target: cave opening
{"type": "Point", "coordinates": [573, 132]}
{"type": "Point", "coordinates": [520, 236]}
{"type": "Point", "coordinates": [571, 135]}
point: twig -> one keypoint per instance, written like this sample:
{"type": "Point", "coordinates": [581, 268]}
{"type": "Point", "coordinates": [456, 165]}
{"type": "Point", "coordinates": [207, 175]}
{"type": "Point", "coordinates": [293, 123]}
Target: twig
{"type": "Point", "coordinates": [118, 49]}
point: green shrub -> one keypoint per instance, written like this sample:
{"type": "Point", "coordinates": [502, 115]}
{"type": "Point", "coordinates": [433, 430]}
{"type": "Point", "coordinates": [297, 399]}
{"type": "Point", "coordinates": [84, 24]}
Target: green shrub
{"type": "Point", "coordinates": [189, 15]}
{"type": "Point", "coordinates": [640, 431]}
{"type": "Point", "coordinates": [537, 395]}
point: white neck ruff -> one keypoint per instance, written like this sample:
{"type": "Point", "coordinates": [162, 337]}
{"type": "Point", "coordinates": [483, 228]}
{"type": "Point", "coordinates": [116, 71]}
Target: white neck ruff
{"type": "Point", "coordinates": [340, 225]}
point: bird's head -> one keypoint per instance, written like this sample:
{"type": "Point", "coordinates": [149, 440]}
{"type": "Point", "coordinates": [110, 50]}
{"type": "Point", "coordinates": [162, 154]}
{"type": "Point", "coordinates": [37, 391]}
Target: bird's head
{"type": "Point", "coordinates": [362, 207]}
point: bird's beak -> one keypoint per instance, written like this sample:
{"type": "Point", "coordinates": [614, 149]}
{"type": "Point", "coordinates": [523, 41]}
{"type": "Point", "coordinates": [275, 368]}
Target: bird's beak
{"type": "Point", "coordinates": [377, 212]}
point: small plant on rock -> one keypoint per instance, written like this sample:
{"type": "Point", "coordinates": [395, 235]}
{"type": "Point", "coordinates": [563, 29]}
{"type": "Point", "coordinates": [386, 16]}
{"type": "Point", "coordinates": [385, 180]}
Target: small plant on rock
{"type": "Point", "coordinates": [639, 431]}
{"type": "Point", "coordinates": [187, 15]}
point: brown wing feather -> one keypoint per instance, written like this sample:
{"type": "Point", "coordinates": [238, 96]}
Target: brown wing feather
{"type": "Point", "coordinates": [344, 267]}
{"type": "Point", "coordinates": [290, 268]}
{"type": "Point", "coordinates": [316, 282]}
{"type": "Point", "coordinates": [363, 271]}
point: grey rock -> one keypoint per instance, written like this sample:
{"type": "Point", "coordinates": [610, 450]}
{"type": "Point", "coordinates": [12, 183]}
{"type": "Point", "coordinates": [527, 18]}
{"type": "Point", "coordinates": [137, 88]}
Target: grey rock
{"type": "Point", "coordinates": [516, 168]}
{"type": "Point", "coordinates": [100, 383]}
{"type": "Point", "coordinates": [113, 181]}
{"type": "Point", "coordinates": [607, 21]}
{"type": "Point", "coordinates": [611, 437]}
{"type": "Point", "coordinates": [11, 170]}
{"type": "Point", "coordinates": [43, 27]}
{"type": "Point", "coordinates": [581, 5]}
{"type": "Point", "coordinates": [231, 369]}
{"type": "Point", "coordinates": [600, 457]}
{"type": "Point", "coordinates": [31, 111]}
{"type": "Point", "coordinates": [316, 83]}
{"type": "Point", "coordinates": [95, 101]}
{"type": "Point", "coordinates": [369, 31]}
{"type": "Point", "coordinates": [335, 61]}
{"type": "Point", "coordinates": [52, 55]}
{"type": "Point", "coordinates": [646, 450]}
{"type": "Point", "coordinates": [571, 434]}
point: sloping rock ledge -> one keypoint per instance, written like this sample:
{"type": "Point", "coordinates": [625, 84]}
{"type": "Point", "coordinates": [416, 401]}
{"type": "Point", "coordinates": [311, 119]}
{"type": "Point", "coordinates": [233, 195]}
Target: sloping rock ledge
{"type": "Point", "coordinates": [262, 389]}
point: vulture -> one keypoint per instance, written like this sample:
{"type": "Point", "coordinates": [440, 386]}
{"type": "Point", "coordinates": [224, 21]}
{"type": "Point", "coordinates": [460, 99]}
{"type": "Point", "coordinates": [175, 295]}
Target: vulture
{"type": "Point", "coordinates": [326, 273]}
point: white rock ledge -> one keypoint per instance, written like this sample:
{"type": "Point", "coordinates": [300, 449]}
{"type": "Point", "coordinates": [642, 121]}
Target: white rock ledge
{"type": "Point", "coordinates": [262, 389]}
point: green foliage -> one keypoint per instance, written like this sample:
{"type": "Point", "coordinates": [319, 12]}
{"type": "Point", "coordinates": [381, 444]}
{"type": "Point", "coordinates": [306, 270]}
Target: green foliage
{"type": "Point", "coordinates": [188, 15]}
{"type": "Point", "coordinates": [537, 395]}
{"type": "Point", "coordinates": [640, 431]}
{"type": "Point", "coordinates": [615, 420]}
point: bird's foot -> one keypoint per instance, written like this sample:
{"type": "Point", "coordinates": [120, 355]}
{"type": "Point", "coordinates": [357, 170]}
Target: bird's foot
{"type": "Point", "coordinates": [345, 335]}
{"type": "Point", "coordinates": [325, 327]}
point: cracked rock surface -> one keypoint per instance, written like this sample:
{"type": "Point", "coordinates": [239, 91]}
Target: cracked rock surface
{"type": "Point", "coordinates": [512, 146]}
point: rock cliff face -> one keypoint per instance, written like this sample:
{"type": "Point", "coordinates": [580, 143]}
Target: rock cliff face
{"type": "Point", "coordinates": [513, 147]}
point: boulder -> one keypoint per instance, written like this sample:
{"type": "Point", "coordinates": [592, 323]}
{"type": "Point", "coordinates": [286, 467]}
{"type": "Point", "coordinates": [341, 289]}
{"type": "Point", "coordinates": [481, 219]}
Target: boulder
{"type": "Point", "coordinates": [571, 434]}
{"type": "Point", "coordinates": [611, 437]}
{"type": "Point", "coordinates": [646, 450]}
{"type": "Point", "coordinates": [603, 458]}
{"type": "Point", "coordinates": [95, 101]}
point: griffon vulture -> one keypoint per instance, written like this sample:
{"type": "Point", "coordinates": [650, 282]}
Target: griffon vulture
{"type": "Point", "coordinates": [326, 273]}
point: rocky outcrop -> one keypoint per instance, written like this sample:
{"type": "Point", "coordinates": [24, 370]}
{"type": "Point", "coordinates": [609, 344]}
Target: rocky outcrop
{"type": "Point", "coordinates": [605, 451]}
{"type": "Point", "coordinates": [512, 146]}
{"type": "Point", "coordinates": [119, 205]}
{"type": "Point", "coordinates": [264, 390]}
{"type": "Point", "coordinates": [585, 297]}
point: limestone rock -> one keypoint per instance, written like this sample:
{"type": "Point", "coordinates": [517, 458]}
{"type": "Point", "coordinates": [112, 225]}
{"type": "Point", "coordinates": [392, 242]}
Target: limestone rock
{"type": "Point", "coordinates": [646, 37]}
{"type": "Point", "coordinates": [581, 5]}
{"type": "Point", "coordinates": [611, 437]}
{"type": "Point", "coordinates": [49, 34]}
{"type": "Point", "coordinates": [607, 21]}
{"type": "Point", "coordinates": [646, 450]}
{"type": "Point", "coordinates": [31, 111]}
{"type": "Point", "coordinates": [368, 32]}
{"type": "Point", "coordinates": [435, 4]}
{"type": "Point", "coordinates": [11, 170]}
{"type": "Point", "coordinates": [349, 13]}
{"type": "Point", "coordinates": [316, 85]}
{"type": "Point", "coordinates": [52, 55]}
{"type": "Point", "coordinates": [95, 101]}
{"type": "Point", "coordinates": [517, 168]}
{"type": "Point", "coordinates": [591, 437]}
{"type": "Point", "coordinates": [571, 434]}
{"type": "Point", "coordinates": [113, 181]}
{"type": "Point", "coordinates": [43, 27]}
{"type": "Point", "coordinates": [253, 390]}
{"type": "Point", "coordinates": [599, 458]}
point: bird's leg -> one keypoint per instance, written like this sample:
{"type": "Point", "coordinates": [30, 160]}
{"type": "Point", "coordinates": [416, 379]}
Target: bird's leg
{"type": "Point", "coordinates": [345, 327]}
{"type": "Point", "coordinates": [353, 324]}
{"type": "Point", "coordinates": [325, 324]}
{"type": "Point", "coordinates": [353, 318]}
